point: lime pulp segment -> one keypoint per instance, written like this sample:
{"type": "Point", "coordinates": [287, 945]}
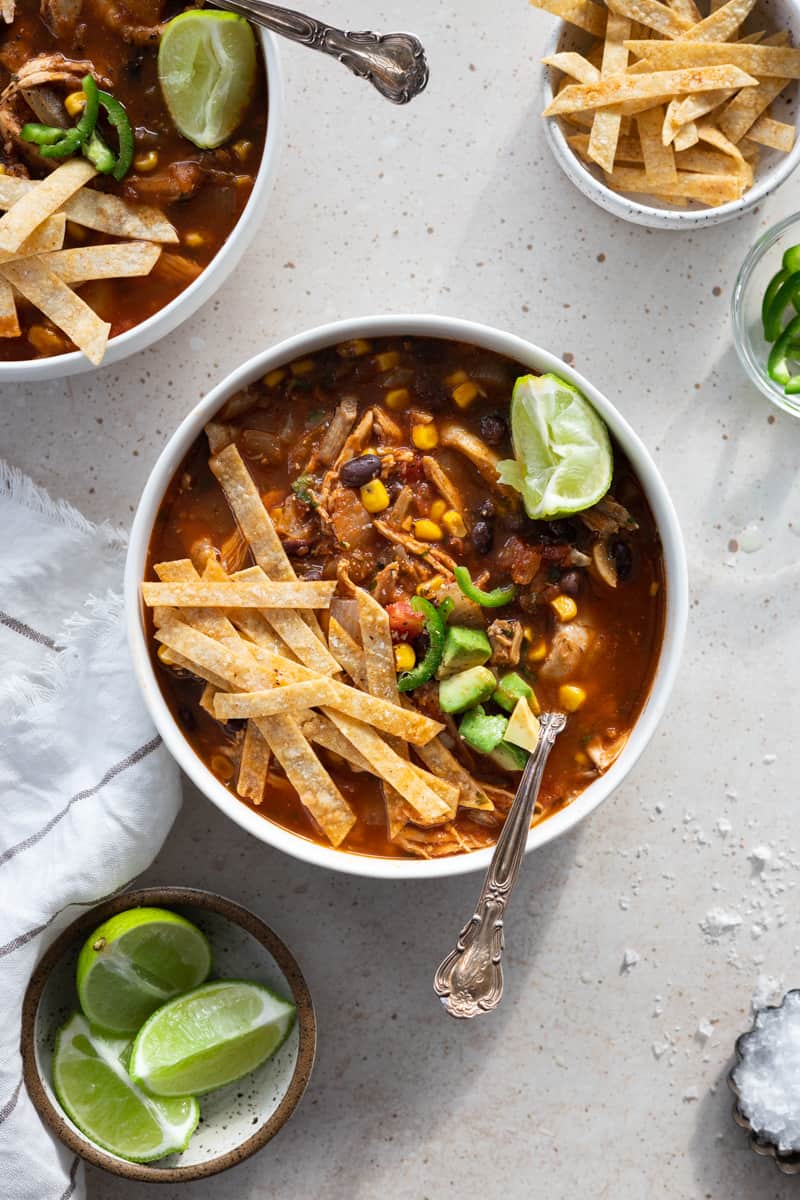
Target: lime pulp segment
{"type": "Point", "coordinates": [98, 1095]}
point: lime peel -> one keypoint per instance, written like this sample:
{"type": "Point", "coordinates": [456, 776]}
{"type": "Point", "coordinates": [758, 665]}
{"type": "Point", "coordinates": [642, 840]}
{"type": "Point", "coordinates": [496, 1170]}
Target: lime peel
{"type": "Point", "coordinates": [563, 460]}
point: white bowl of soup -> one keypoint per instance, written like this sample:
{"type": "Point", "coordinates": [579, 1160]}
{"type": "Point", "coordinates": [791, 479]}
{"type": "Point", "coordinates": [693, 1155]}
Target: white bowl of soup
{"type": "Point", "coordinates": [212, 200]}
{"type": "Point", "coordinates": [421, 394]}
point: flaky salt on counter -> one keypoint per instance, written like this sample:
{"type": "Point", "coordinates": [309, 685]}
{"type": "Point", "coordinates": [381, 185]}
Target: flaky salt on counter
{"type": "Point", "coordinates": [768, 1076]}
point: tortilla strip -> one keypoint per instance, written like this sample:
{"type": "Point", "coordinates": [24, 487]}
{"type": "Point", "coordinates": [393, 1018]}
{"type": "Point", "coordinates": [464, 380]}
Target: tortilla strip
{"type": "Point", "coordinates": [253, 624]}
{"type": "Point", "coordinates": [253, 765]}
{"type": "Point", "coordinates": [291, 630]}
{"type": "Point", "coordinates": [574, 65]}
{"type": "Point", "coordinates": [395, 770]}
{"type": "Point", "coordinates": [53, 298]}
{"type": "Point", "coordinates": [710, 189]}
{"type": "Point", "coordinates": [319, 729]}
{"type": "Point", "coordinates": [722, 23]}
{"type": "Point", "coordinates": [237, 594]}
{"type": "Point", "coordinates": [578, 97]}
{"type": "Point", "coordinates": [47, 236]}
{"type": "Point", "coordinates": [99, 211]}
{"type": "Point", "coordinates": [583, 13]}
{"type": "Point", "coordinates": [287, 697]}
{"type": "Point", "coordinates": [761, 61]}
{"type": "Point", "coordinates": [687, 136]}
{"type": "Point", "coordinates": [118, 260]}
{"type": "Point", "coordinates": [41, 200]}
{"type": "Point", "coordinates": [687, 9]}
{"type": "Point", "coordinates": [347, 653]}
{"type": "Point", "coordinates": [9, 321]}
{"type": "Point", "coordinates": [206, 700]}
{"type": "Point", "coordinates": [713, 136]}
{"type": "Point", "coordinates": [317, 791]}
{"type": "Point", "coordinates": [775, 134]}
{"type": "Point", "coordinates": [659, 159]}
{"type": "Point", "coordinates": [173, 658]}
{"type": "Point", "coordinates": [210, 621]}
{"type": "Point", "coordinates": [654, 15]}
{"type": "Point", "coordinates": [742, 112]}
{"type": "Point", "coordinates": [606, 125]}
{"type": "Point", "coordinates": [439, 759]}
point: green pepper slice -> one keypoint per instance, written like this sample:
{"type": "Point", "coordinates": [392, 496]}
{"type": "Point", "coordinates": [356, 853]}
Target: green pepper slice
{"type": "Point", "coordinates": [64, 148]}
{"type": "Point", "coordinates": [786, 347]}
{"type": "Point", "coordinates": [791, 259]}
{"type": "Point", "coordinates": [41, 135]}
{"type": "Point", "coordinates": [427, 666]}
{"type": "Point", "coordinates": [86, 124]}
{"type": "Point", "coordinates": [769, 295]}
{"type": "Point", "coordinates": [118, 119]}
{"type": "Point", "coordinates": [494, 599]}
{"type": "Point", "coordinates": [787, 293]}
{"type": "Point", "coordinates": [99, 154]}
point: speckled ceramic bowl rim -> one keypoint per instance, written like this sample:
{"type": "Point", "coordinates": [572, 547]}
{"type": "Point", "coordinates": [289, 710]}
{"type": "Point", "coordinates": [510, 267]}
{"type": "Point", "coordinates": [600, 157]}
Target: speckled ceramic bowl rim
{"type": "Point", "coordinates": [168, 318]}
{"type": "Point", "coordinates": [453, 329]}
{"type": "Point", "coordinates": [167, 897]}
{"type": "Point", "coordinates": [631, 210]}
{"type": "Point", "coordinates": [787, 1163]}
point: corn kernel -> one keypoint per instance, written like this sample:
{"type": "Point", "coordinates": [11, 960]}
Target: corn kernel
{"type": "Point", "coordinates": [457, 377]}
{"type": "Point", "coordinates": [429, 587]}
{"type": "Point", "coordinates": [75, 103]}
{"type": "Point", "coordinates": [465, 393]}
{"type": "Point", "coordinates": [76, 232]}
{"type": "Point", "coordinates": [425, 437]}
{"type": "Point", "coordinates": [564, 607]}
{"type": "Point", "coordinates": [528, 633]}
{"type": "Point", "coordinates": [242, 148]}
{"type": "Point", "coordinates": [303, 366]}
{"type": "Point", "coordinates": [165, 655]}
{"type": "Point", "coordinates": [581, 759]}
{"type": "Point", "coordinates": [273, 378]}
{"type": "Point", "coordinates": [438, 509]}
{"type": "Point", "coordinates": [46, 341]}
{"type": "Point", "coordinates": [374, 496]}
{"type": "Point", "coordinates": [387, 361]}
{"type": "Point", "coordinates": [146, 162]}
{"type": "Point", "coordinates": [193, 240]}
{"type": "Point", "coordinates": [398, 398]}
{"type": "Point", "coordinates": [222, 767]}
{"type": "Point", "coordinates": [427, 530]}
{"type": "Point", "coordinates": [404, 656]}
{"type": "Point", "coordinates": [538, 652]}
{"type": "Point", "coordinates": [655, 587]}
{"type": "Point", "coordinates": [3, 169]}
{"type": "Point", "coordinates": [355, 348]}
{"type": "Point", "coordinates": [534, 704]}
{"type": "Point", "coordinates": [571, 697]}
{"type": "Point", "coordinates": [454, 523]}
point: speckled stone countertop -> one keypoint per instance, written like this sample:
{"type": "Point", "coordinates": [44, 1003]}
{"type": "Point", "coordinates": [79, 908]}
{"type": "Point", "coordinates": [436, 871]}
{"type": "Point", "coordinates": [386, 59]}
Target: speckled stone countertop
{"type": "Point", "coordinates": [592, 1080]}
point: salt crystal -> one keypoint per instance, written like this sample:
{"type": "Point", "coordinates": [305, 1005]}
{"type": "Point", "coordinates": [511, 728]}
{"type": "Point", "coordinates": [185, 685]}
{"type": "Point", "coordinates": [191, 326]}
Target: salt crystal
{"type": "Point", "coordinates": [751, 538]}
{"type": "Point", "coordinates": [768, 1077]}
{"type": "Point", "coordinates": [586, 977]}
{"type": "Point", "coordinates": [759, 856]}
{"type": "Point", "coordinates": [704, 1030]}
{"type": "Point", "coordinates": [659, 1049]}
{"type": "Point", "coordinates": [769, 759]}
{"type": "Point", "coordinates": [659, 807]}
{"type": "Point", "coordinates": [731, 795]}
{"type": "Point", "coordinates": [768, 990]}
{"type": "Point", "coordinates": [723, 826]}
{"type": "Point", "coordinates": [691, 1093]}
{"type": "Point", "coordinates": [624, 903]}
{"type": "Point", "coordinates": [718, 921]}
{"type": "Point", "coordinates": [629, 960]}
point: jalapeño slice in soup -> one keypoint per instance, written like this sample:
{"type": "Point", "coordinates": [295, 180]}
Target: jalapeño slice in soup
{"type": "Point", "coordinates": [356, 621]}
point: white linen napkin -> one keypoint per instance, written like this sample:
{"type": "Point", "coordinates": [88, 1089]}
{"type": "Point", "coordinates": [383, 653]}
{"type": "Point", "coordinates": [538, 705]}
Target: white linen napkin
{"type": "Point", "coordinates": [87, 791]}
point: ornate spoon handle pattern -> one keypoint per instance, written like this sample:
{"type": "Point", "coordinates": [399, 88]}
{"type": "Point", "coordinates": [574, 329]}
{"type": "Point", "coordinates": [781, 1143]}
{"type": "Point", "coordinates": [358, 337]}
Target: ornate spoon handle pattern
{"type": "Point", "coordinates": [470, 980]}
{"type": "Point", "coordinates": [394, 63]}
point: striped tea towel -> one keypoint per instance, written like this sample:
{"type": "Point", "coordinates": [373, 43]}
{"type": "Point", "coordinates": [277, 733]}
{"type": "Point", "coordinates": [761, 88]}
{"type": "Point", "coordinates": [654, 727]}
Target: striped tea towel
{"type": "Point", "coordinates": [87, 791]}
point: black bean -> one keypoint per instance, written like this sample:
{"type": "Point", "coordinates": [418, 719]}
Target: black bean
{"type": "Point", "coordinates": [570, 582]}
{"type": "Point", "coordinates": [493, 428]}
{"type": "Point", "coordinates": [394, 487]}
{"type": "Point", "coordinates": [187, 718]}
{"type": "Point", "coordinates": [361, 470]}
{"type": "Point", "coordinates": [623, 558]}
{"type": "Point", "coordinates": [486, 508]}
{"type": "Point", "coordinates": [515, 522]}
{"type": "Point", "coordinates": [482, 537]}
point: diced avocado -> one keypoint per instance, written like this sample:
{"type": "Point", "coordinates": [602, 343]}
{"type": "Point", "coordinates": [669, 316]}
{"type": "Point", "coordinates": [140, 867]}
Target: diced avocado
{"type": "Point", "coordinates": [466, 689]}
{"type": "Point", "coordinates": [523, 728]}
{"type": "Point", "coordinates": [463, 648]}
{"type": "Point", "coordinates": [510, 689]}
{"type": "Point", "coordinates": [508, 757]}
{"type": "Point", "coordinates": [482, 732]}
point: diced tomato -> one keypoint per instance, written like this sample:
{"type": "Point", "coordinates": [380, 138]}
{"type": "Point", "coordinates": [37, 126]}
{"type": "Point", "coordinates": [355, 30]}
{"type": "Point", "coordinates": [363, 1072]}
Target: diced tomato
{"type": "Point", "coordinates": [520, 560]}
{"type": "Point", "coordinates": [404, 622]}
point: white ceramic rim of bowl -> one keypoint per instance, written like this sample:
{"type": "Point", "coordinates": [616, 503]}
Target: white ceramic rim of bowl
{"type": "Point", "coordinates": [631, 210]}
{"type": "Point", "coordinates": [299, 346]}
{"type": "Point", "coordinates": [168, 318]}
{"type": "Point", "coordinates": [741, 338]}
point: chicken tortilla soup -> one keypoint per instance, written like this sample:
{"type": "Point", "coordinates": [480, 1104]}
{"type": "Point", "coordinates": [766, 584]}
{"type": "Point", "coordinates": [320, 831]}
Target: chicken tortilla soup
{"type": "Point", "coordinates": [131, 134]}
{"type": "Point", "coordinates": [376, 570]}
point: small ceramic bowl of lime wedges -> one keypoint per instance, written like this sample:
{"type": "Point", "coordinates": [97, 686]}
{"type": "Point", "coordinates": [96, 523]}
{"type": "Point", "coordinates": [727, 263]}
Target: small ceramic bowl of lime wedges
{"type": "Point", "coordinates": [167, 1034]}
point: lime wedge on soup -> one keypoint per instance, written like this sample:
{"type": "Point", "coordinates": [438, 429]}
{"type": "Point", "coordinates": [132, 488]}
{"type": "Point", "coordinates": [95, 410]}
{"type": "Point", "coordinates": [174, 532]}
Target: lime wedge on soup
{"type": "Point", "coordinates": [563, 461]}
{"type": "Point", "coordinates": [135, 962]}
{"type": "Point", "coordinates": [207, 72]}
{"type": "Point", "coordinates": [209, 1037]}
{"type": "Point", "coordinates": [98, 1095]}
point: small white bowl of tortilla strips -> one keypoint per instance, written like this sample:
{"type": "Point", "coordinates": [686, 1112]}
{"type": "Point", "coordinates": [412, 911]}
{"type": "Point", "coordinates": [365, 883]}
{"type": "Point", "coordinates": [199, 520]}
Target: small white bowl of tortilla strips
{"type": "Point", "coordinates": [673, 116]}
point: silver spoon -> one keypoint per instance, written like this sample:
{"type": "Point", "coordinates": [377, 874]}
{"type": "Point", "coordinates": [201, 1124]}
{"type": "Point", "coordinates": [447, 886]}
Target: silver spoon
{"type": "Point", "coordinates": [470, 980]}
{"type": "Point", "coordinates": [394, 63]}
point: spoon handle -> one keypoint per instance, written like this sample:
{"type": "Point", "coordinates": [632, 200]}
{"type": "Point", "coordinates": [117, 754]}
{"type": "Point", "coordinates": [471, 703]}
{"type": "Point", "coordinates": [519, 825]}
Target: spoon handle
{"type": "Point", "coordinates": [470, 979]}
{"type": "Point", "coordinates": [394, 63]}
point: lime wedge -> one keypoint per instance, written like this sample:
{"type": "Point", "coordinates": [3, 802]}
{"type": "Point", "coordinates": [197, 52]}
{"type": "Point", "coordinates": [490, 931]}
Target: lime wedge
{"type": "Point", "coordinates": [98, 1095]}
{"type": "Point", "coordinates": [563, 462]}
{"type": "Point", "coordinates": [207, 72]}
{"type": "Point", "coordinates": [209, 1037]}
{"type": "Point", "coordinates": [137, 961]}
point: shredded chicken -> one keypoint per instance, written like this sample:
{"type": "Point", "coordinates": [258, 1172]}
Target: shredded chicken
{"type": "Point", "coordinates": [336, 434]}
{"type": "Point", "coordinates": [45, 71]}
{"type": "Point", "coordinates": [570, 648]}
{"type": "Point", "coordinates": [385, 584]}
{"type": "Point", "coordinates": [478, 453]}
{"type": "Point", "coordinates": [177, 181]}
{"type": "Point", "coordinates": [603, 753]}
{"type": "Point", "coordinates": [424, 549]}
{"type": "Point", "coordinates": [444, 485]}
{"type": "Point", "coordinates": [607, 517]}
{"type": "Point", "coordinates": [442, 840]}
{"type": "Point", "coordinates": [235, 552]}
{"type": "Point", "coordinates": [353, 446]}
{"type": "Point", "coordinates": [505, 637]}
{"type": "Point", "coordinates": [134, 21]}
{"type": "Point", "coordinates": [389, 429]}
{"type": "Point", "coordinates": [61, 16]}
{"type": "Point", "coordinates": [220, 435]}
{"type": "Point", "coordinates": [402, 506]}
{"type": "Point", "coordinates": [236, 406]}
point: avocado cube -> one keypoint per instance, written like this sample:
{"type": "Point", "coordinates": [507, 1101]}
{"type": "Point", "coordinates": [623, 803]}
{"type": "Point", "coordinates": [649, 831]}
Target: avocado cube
{"type": "Point", "coordinates": [481, 731]}
{"type": "Point", "coordinates": [508, 757]}
{"type": "Point", "coordinates": [510, 689]}
{"type": "Point", "coordinates": [466, 689]}
{"type": "Point", "coordinates": [463, 648]}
